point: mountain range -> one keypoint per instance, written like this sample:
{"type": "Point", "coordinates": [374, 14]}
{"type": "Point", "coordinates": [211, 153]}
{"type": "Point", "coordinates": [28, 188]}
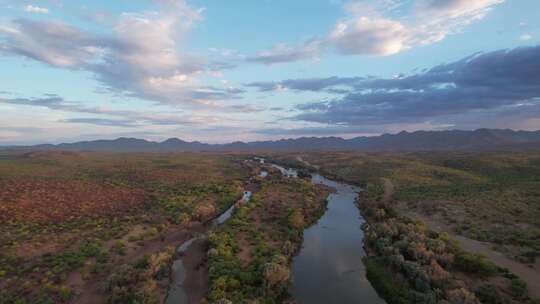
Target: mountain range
{"type": "Point", "coordinates": [477, 140]}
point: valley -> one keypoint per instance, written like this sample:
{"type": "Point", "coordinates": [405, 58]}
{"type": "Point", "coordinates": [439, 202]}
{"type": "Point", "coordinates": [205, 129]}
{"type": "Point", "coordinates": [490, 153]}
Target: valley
{"type": "Point", "coordinates": [192, 227]}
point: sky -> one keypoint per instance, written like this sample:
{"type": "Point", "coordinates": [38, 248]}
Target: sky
{"type": "Point", "coordinates": [244, 70]}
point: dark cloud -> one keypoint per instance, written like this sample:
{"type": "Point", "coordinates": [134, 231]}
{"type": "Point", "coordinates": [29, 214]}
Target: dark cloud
{"type": "Point", "coordinates": [494, 81]}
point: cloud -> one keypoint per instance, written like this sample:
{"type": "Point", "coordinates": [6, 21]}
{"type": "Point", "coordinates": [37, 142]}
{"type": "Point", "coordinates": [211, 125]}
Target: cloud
{"type": "Point", "coordinates": [283, 53]}
{"type": "Point", "coordinates": [494, 83]}
{"type": "Point", "coordinates": [306, 84]}
{"type": "Point", "coordinates": [364, 35]}
{"type": "Point", "coordinates": [316, 131]}
{"type": "Point", "coordinates": [367, 31]}
{"type": "Point", "coordinates": [102, 122]}
{"type": "Point", "coordinates": [54, 43]}
{"type": "Point", "coordinates": [36, 9]}
{"type": "Point", "coordinates": [525, 37]}
{"type": "Point", "coordinates": [348, 130]}
{"type": "Point", "coordinates": [142, 57]}
{"type": "Point", "coordinates": [122, 118]}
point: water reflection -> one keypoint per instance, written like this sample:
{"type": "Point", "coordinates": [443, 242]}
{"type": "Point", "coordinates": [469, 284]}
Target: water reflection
{"type": "Point", "coordinates": [329, 267]}
{"type": "Point", "coordinates": [176, 293]}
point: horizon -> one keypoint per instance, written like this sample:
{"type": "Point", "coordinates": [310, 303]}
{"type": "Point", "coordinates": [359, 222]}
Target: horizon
{"type": "Point", "coordinates": [223, 72]}
{"type": "Point", "coordinates": [256, 141]}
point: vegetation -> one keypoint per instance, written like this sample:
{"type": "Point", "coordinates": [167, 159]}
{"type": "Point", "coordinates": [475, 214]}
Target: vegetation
{"type": "Point", "coordinates": [491, 197]}
{"type": "Point", "coordinates": [249, 255]}
{"type": "Point", "coordinates": [66, 216]}
{"type": "Point", "coordinates": [430, 267]}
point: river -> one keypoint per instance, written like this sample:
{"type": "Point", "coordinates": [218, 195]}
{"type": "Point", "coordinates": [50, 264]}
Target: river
{"type": "Point", "coordinates": [329, 267]}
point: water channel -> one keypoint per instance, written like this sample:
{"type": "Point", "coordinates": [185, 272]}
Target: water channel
{"type": "Point", "coordinates": [329, 267]}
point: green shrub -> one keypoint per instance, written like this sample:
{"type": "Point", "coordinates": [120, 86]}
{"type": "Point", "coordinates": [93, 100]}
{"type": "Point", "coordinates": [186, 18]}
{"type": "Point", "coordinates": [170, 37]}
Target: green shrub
{"type": "Point", "coordinates": [90, 249]}
{"type": "Point", "coordinates": [119, 248]}
{"type": "Point", "coordinates": [64, 294]}
{"type": "Point", "coordinates": [384, 282]}
{"type": "Point", "coordinates": [475, 263]}
{"type": "Point", "coordinates": [489, 294]}
{"type": "Point", "coordinates": [518, 288]}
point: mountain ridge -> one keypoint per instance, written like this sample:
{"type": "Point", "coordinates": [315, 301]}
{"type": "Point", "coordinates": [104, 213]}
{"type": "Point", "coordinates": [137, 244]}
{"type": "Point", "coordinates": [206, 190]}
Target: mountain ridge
{"type": "Point", "coordinates": [447, 140]}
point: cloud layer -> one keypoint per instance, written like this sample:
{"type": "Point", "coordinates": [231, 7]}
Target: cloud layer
{"type": "Point", "coordinates": [505, 81]}
{"type": "Point", "coordinates": [367, 31]}
{"type": "Point", "coordinates": [142, 57]}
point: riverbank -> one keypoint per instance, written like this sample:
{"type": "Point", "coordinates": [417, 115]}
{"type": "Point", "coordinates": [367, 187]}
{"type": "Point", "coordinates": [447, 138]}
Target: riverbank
{"type": "Point", "coordinates": [409, 263]}
{"type": "Point", "coordinates": [250, 254]}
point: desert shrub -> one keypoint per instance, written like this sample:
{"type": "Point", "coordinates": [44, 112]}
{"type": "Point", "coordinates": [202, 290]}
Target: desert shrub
{"type": "Point", "coordinates": [183, 218]}
{"type": "Point", "coordinates": [129, 285]}
{"type": "Point", "coordinates": [275, 274]}
{"type": "Point", "coordinates": [64, 294]}
{"type": "Point", "coordinates": [296, 219]}
{"type": "Point", "coordinates": [489, 294]}
{"type": "Point", "coordinates": [65, 261]}
{"type": "Point", "coordinates": [375, 191]}
{"type": "Point", "coordinates": [474, 263]}
{"type": "Point", "coordinates": [119, 247]}
{"type": "Point", "coordinates": [437, 274]}
{"type": "Point", "coordinates": [385, 283]}
{"type": "Point", "coordinates": [518, 288]}
{"type": "Point", "coordinates": [461, 296]}
{"type": "Point", "coordinates": [90, 248]}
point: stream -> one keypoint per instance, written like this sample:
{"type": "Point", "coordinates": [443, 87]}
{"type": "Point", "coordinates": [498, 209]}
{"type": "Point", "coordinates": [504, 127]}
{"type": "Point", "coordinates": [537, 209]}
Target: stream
{"type": "Point", "coordinates": [329, 267]}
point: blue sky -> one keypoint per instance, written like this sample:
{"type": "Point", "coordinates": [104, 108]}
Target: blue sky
{"type": "Point", "coordinates": [220, 71]}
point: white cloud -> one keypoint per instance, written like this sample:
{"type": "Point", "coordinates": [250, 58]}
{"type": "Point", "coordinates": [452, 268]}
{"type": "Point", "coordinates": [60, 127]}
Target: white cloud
{"type": "Point", "coordinates": [142, 57]}
{"type": "Point", "coordinates": [285, 53]}
{"type": "Point", "coordinates": [54, 43]}
{"type": "Point", "coordinates": [368, 31]}
{"type": "Point", "coordinates": [365, 35]}
{"type": "Point", "coordinates": [36, 9]}
{"type": "Point", "coordinates": [525, 37]}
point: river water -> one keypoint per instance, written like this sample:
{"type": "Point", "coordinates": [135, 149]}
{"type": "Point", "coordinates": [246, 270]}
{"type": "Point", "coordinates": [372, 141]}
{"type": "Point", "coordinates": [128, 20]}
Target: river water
{"type": "Point", "coordinates": [329, 267]}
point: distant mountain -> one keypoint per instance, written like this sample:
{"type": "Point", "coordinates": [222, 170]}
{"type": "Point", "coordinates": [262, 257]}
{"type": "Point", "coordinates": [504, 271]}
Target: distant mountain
{"type": "Point", "coordinates": [477, 140]}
